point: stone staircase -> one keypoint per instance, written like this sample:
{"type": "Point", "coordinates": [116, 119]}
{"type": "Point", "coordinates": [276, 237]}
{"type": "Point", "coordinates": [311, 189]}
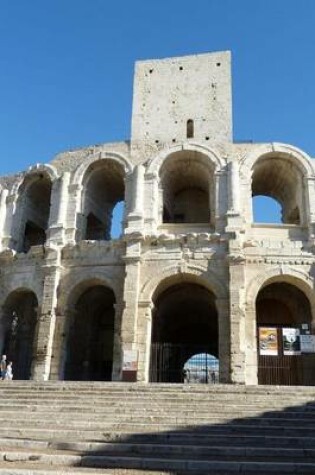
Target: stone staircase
{"type": "Point", "coordinates": [86, 428]}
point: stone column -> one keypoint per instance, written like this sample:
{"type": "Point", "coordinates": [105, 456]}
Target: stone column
{"type": "Point", "coordinates": [117, 350]}
{"type": "Point", "coordinates": [144, 339]}
{"type": "Point", "coordinates": [3, 211]}
{"type": "Point", "coordinates": [237, 318]}
{"type": "Point", "coordinates": [233, 215]}
{"type": "Point", "coordinates": [129, 323]}
{"type": "Point", "coordinates": [7, 239]}
{"type": "Point", "coordinates": [151, 203]}
{"type": "Point", "coordinates": [47, 319]}
{"type": "Point", "coordinates": [135, 217]}
{"type": "Point", "coordinates": [219, 201]}
{"type": "Point", "coordinates": [234, 187]}
{"type": "Point", "coordinates": [308, 216]}
{"type": "Point", "coordinates": [222, 306]}
{"type": "Point", "coordinates": [74, 219]}
{"type": "Point", "coordinates": [251, 376]}
{"type": "Point", "coordinates": [58, 214]}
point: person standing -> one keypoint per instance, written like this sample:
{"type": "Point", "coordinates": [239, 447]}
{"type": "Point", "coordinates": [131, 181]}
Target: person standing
{"type": "Point", "coordinates": [9, 374]}
{"type": "Point", "coordinates": [3, 366]}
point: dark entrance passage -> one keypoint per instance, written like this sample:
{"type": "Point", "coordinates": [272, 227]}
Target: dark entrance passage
{"type": "Point", "coordinates": [91, 336]}
{"type": "Point", "coordinates": [19, 331]}
{"type": "Point", "coordinates": [283, 317]}
{"type": "Point", "coordinates": [185, 324]}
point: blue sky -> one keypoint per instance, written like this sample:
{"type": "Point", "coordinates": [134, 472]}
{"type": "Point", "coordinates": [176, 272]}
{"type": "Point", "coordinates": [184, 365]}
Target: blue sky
{"type": "Point", "coordinates": [66, 68]}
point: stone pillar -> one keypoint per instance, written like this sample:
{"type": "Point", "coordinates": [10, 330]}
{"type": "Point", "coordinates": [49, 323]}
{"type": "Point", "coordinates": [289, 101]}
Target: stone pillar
{"type": "Point", "coordinates": [58, 214]}
{"type": "Point", "coordinates": [117, 350]}
{"type": "Point", "coordinates": [151, 203]}
{"type": "Point", "coordinates": [59, 349]}
{"type": "Point", "coordinates": [144, 339]}
{"type": "Point", "coordinates": [234, 187]}
{"type": "Point", "coordinates": [135, 217]}
{"type": "Point", "coordinates": [222, 306]}
{"type": "Point", "coordinates": [47, 319]}
{"type": "Point", "coordinates": [74, 228]}
{"type": "Point", "coordinates": [308, 215]}
{"type": "Point", "coordinates": [129, 323]}
{"type": "Point", "coordinates": [237, 318]}
{"type": "Point", "coordinates": [251, 376]}
{"type": "Point", "coordinates": [3, 211]}
{"type": "Point", "coordinates": [233, 215]}
{"type": "Point", "coordinates": [219, 201]}
{"type": "Point", "coordinates": [7, 239]}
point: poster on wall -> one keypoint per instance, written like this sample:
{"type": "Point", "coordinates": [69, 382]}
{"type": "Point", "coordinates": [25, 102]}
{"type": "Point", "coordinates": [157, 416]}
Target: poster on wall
{"type": "Point", "coordinates": [291, 341]}
{"type": "Point", "coordinates": [130, 362]}
{"type": "Point", "coordinates": [268, 341]}
{"type": "Point", "coordinates": [307, 343]}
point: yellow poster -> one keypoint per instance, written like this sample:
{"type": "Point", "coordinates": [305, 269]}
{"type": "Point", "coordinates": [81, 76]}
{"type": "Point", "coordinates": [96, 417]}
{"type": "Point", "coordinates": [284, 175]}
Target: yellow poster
{"type": "Point", "coordinates": [268, 341]}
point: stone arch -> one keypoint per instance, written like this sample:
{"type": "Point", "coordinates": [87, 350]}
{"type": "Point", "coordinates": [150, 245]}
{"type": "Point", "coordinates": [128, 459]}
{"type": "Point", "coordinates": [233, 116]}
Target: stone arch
{"type": "Point", "coordinates": [278, 172]}
{"type": "Point", "coordinates": [294, 154]}
{"type": "Point", "coordinates": [89, 337]}
{"type": "Point", "coordinates": [120, 159]}
{"type": "Point", "coordinates": [76, 283]}
{"type": "Point", "coordinates": [273, 275]}
{"type": "Point", "coordinates": [176, 273]}
{"type": "Point", "coordinates": [185, 320]}
{"type": "Point", "coordinates": [213, 156]}
{"type": "Point", "coordinates": [32, 207]}
{"type": "Point", "coordinates": [298, 278]}
{"type": "Point", "coordinates": [33, 171]}
{"type": "Point", "coordinates": [22, 284]}
{"type": "Point", "coordinates": [102, 183]}
{"type": "Point", "coordinates": [19, 328]}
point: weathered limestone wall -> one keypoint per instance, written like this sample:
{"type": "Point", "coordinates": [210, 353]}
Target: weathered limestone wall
{"type": "Point", "coordinates": [217, 245]}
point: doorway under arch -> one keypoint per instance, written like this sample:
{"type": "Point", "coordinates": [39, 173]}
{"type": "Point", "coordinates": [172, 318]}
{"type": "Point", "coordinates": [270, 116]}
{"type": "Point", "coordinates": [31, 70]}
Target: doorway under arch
{"type": "Point", "coordinates": [184, 323]}
{"type": "Point", "coordinates": [18, 331]}
{"type": "Point", "coordinates": [91, 336]}
{"type": "Point", "coordinates": [283, 315]}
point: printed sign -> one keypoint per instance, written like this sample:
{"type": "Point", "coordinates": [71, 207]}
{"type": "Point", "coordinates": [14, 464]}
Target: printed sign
{"type": "Point", "coordinates": [291, 341]}
{"type": "Point", "coordinates": [130, 362]}
{"type": "Point", "coordinates": [268, 341]}
{"type": "Point", "coordinates": [307, 343]}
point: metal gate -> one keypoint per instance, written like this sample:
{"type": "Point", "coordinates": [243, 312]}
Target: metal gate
{"type": "Point", "coordinates": [168, 360]}
{"type": "Point", "coordinates": [285, 369]}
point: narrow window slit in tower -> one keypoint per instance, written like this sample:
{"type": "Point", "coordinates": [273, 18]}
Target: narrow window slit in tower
{"type": "Point", "coordinates": [190, 129]}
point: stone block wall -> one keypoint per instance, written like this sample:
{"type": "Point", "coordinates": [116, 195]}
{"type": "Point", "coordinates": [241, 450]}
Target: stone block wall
{"type": "Point", "coordinates": [227, 253]}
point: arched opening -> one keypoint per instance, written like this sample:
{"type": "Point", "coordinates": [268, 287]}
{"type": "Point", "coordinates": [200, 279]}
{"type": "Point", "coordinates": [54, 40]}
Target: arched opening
{"type": "Point", "coordinates": [91, 336]}
{"type": "Point", "coordinates": [18, 331]}
{"type": "Point", "coordinates": [184, 323]}
{"type": "Point", "coordinates": [104, 190]}
{"type": "Point", "coordinates": [190, 129]}
{"type": "Point", "coordinates": [187, 181]}
{"type": "Point", "coordinates": [266, 210]}
{"type": "Point", "coordinates": [201, 368]}
{"type": "Point", "coordinates": [279, 178]}
{"type": "Point", "coordinates": [283, 326]}
{"type": "Point", "coordinates": [34, 201]}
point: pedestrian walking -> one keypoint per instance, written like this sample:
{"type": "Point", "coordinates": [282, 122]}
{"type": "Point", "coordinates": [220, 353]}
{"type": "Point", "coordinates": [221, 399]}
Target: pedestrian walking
{"type": "Point", "coordinates": [3, 366]}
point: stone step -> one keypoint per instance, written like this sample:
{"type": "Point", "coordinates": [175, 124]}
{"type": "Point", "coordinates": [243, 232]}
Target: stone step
{"type": "Point", "coordinates": [94, 421]}
{"type": "Point", "coordinates": [34, 451]}
{"type": "Point", "coordinates": [172, 438]}
{"type": "Point", "coordinates": [31, 469]}
{"type": "Point", "coordinates": [187, 411]}
{"type": "Point", "coordinates": [53, 431]}
{"type": "Point", "coordinates": [83, 404]}
{"type": "Point", "coordinates": [210, 467]}
{"type": "Point", "coordinates": [160, 390]}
